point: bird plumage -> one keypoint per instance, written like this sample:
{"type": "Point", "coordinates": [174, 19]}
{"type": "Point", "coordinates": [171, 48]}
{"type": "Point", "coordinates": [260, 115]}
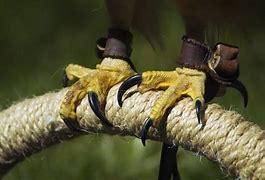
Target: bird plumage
{"type": "Point", "coordinates": [201, 19]}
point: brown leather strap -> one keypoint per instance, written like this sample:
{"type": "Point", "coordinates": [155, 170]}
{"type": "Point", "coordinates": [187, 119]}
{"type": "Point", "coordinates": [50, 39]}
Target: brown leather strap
{"type": "Point", "coordinates": [219, 63]}
{"type": "Point", "coordinates": [194, 54]}
{"type": "Point", "coordinates": [228, 66]}
{"type": "Point", "coordinates": [115, 48]}
{"type": "Point", "coordinates": [117, 45]}
{"type": "Point", "coordinates": [100, 47]}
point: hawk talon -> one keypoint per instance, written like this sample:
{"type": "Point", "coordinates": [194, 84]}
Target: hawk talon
{"type": "Point", "coordinates": [127, 84]}
{"type": "Point", "coordinates": [148, 123]}
{"type": "Point", "coordinates": [74, 125]}
{"type": "Point", "coordinates": [65, 79]}
{"type": "Point", "coordinates": [95, 106]}
{"type": "Point", "coordinates": [242, 90]}
{"type": "Point", "coordinates": [198, 106]}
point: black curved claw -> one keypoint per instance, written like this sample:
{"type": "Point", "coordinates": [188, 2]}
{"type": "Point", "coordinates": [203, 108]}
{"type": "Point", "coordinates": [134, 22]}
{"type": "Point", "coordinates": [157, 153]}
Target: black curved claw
{"type": "Point", "coordinates": [148, 123]}
{"type": "Point", "coordinates": [198, 106]}
{"type": "Point", "coordinates": [127, 84]}
{"type": "Point", "coordinates": [65, 80]}
{"type": "Point", "coordinates": [95, 106]}
{"type": "Point", "coordinates": [242, 89]}
{"type": "Point", "coordinates": [74, 125]}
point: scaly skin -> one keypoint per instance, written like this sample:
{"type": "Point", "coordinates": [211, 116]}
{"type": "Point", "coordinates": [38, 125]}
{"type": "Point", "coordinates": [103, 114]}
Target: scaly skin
{"type": "Point", "coordinates": [178, 83]}
{"type": "Point", "coordinates": [99, 80]}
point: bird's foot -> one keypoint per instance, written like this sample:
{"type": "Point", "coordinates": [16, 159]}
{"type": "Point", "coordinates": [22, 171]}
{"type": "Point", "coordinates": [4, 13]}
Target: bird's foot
{"type": "Point", "coordinates": [205, 73]}
{"type": "Point", "coordinates": [178, 83]}
{"type": "Point", "coordinates": [94, 82]}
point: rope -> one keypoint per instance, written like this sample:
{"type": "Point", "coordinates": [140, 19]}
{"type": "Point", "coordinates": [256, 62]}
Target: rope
{"type": "Point", "coordinates": [235, 144]}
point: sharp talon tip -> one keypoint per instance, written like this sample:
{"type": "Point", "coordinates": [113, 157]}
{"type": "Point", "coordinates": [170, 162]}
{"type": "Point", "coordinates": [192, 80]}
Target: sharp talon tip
{"type": "Point", "coordinates": [242, 90]}
{"type": "Point", "coordinates": [73, 125]}
{"type": "Point", "coordinates": [65, 80]}
{"type": "Point", "coordinates": [120, 102]}
{"type": "Point", "coordinates": [127, 84]}
{"type": "Point", "coordinates": [143, 141]}
{"type": "Point", "coordinates": [198, 106]}
{"type": "Point", "coordinates": [148, 123]}
{"type": "Point", "coordinates": [95, 106]}
{"type": "Point", "coordinates": [245, 103]}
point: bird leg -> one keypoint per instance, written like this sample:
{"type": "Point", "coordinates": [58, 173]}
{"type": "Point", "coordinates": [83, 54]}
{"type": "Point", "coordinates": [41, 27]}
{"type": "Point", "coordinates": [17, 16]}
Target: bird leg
{"type": "Point", "coordinates": [115, 67]}
{"type": "Point", "coordinates": [204, 71]}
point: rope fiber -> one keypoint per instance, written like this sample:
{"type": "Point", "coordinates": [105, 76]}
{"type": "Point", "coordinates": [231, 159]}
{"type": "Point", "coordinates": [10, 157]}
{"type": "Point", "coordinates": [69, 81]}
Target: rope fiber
{"type": "Point", "coordinates": [227, 138]}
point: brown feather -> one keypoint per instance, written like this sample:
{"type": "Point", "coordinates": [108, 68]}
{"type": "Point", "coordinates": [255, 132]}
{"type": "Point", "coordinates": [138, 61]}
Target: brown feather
{"type": "Point", "coordinates": [200, 17]}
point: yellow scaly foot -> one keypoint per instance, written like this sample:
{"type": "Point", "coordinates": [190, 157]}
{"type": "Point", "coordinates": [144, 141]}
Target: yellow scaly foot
{"type": "Point", "coordinates": [205, 72]}
{"type": "Point", "coordinates": [94, 82]}
{"type": "Point", "coordinates": [178, 83]}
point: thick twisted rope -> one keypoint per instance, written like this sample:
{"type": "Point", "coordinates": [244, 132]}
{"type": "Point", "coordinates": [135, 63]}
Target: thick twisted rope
{"type": "Point", "coordinates": [235, 144]}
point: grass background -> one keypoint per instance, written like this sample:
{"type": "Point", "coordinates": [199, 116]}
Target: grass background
{"type": "Point", "coordinates": [38, 38]}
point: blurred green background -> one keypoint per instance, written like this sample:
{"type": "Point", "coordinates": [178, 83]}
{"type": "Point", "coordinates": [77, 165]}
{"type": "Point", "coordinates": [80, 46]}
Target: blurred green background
{"type": "Point", "coordinates": [38, 38]}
